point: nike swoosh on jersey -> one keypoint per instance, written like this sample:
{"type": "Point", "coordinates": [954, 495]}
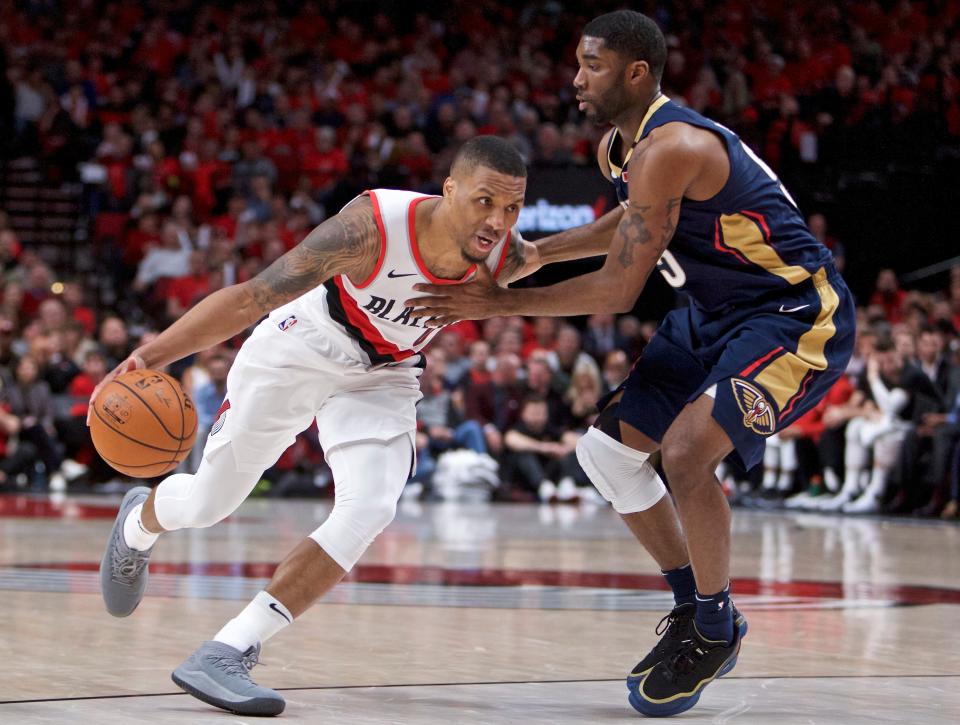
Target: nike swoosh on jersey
{"type": "Point", "coordinates": [392, 274]}
{"type": "Point", "coordinates": [793, 309]}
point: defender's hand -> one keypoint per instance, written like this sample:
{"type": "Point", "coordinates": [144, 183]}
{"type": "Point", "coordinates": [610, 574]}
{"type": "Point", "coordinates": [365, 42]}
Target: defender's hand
{"type": "Point", "coordinates": [477, 299]}
{"type": "Point", "coordinates": [134, 362]}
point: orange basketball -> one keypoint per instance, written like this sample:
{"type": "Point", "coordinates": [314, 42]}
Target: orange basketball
{"type": "Point", "coordinates": [143, 424]}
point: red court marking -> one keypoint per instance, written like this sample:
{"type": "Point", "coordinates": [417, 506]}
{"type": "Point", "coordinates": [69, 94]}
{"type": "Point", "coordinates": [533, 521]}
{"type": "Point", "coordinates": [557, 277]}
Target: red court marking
{"type": "Point", "coordinates": [30, 507]}
{"type": "Point", "coordinates": [408, 574]}
{"type": "Point", "coordinates": [37, 507]}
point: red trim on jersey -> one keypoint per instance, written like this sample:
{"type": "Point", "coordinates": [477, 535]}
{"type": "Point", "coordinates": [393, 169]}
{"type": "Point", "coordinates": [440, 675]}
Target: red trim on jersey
{"type": "Point", "coordinates": [757, 363]}
{"type": "Point", "coordinates": [503, 255]}
{"type": "Point", "coordinates": [383, 241]}
{"type": "Point", "coordinates": [224, 407]}
{"type": "Point", "coordinates": [370, 333]}
{"type": "Point", "coordinates": [761, 221]}
{"type": "Point", "coordinates": [415, 248]}
{"type": "Point", "coordinates": [799, 394]}
{"type": "Point", "coordinates": [721, 247]}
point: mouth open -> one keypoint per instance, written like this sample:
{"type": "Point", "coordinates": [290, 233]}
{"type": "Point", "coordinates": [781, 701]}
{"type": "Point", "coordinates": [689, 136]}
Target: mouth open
{"type": "Point", "coordinates": [485, 243]}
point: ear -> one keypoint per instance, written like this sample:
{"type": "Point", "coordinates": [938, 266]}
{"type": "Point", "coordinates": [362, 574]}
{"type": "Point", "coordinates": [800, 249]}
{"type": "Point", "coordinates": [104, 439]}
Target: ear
{"type": "Point", "coordinates": [638, 71]}
{"type": "Point", "coordinates": [449, 186]}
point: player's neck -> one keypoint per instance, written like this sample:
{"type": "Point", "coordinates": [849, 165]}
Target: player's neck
{"type": "Point", "coordinates": [629, 122]}
{"type": "Point", "coordinates": [435, 236]}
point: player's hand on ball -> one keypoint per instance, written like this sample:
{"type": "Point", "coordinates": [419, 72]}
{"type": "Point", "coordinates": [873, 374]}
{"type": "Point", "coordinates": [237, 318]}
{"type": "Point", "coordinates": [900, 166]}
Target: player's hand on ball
{"type": "Point", "coordinates": [134, 362]}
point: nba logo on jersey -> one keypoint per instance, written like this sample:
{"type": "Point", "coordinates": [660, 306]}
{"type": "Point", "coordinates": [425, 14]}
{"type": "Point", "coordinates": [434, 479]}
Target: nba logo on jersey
{"type": "Point", "coordinates": [757, 412]}
{"type": "Point", "coordinates": [287, 323]}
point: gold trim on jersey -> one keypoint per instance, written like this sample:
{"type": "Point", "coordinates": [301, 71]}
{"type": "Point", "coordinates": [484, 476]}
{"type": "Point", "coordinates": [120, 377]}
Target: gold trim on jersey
{"type": "Point", "coordinates": [783, 377]}
{"type": "Point", "coordinates": [743, 233]}
{"type": "Point", "coordinates": [615, 169]}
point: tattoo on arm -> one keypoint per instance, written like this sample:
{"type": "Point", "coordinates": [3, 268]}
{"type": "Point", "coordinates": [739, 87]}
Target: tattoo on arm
{"type": "Point", "coordinates": [514, 261]}
{"type": "Point", "coordinates": [635, 232]}
{"type": "Point", "coordinates": [670, 225]}
{"type": "Point", "coordinates": [633, 229]}
{"type": "Point", "coordinates": [348, 243]}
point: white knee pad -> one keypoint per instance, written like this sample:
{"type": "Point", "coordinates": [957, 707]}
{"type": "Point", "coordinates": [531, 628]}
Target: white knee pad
{"type": "Point", "coordinates": [621, 474]}
{"type": "Point", "coordinates": [201, 499]}
{"type": "Point", "coordinates": [369, 477]}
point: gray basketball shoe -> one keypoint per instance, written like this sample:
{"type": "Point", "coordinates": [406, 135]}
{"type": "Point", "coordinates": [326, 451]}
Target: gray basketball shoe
{"type": "Point", "coordinates": [123, 571]}
{"type": "Point", "coordinates": [219, 675]}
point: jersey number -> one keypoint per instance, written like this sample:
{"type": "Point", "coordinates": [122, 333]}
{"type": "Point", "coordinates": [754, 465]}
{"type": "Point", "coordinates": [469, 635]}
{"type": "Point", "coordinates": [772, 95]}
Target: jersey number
{"type": "Point", "coordinates": [669, 266]}
{"type": "Point", "coordinates": [671, 270]}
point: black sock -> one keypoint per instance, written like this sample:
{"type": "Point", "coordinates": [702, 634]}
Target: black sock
{"type": "Point", "coordinates": [714, 618]}
{"type": "Point", "coordinates": [682, 583]}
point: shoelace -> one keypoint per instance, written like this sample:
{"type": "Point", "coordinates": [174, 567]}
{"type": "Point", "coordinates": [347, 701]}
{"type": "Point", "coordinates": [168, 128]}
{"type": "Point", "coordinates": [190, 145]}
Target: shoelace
{"type": "Point", "coordinates": [233, 665]}
{"type": "Point", "coordinates": [671, 622]}
{"type": "Point", "coordinates": [685, 659]}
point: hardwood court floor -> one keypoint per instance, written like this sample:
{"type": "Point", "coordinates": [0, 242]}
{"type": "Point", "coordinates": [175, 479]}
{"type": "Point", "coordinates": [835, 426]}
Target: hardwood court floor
{"type": "Point", "coordinates": [482, 614]}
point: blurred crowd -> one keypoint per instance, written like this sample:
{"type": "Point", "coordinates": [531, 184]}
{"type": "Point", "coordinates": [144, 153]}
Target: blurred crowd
{"type": "Point", "coordinates": [210, 138]}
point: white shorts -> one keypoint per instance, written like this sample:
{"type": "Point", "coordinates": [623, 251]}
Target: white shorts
{"type": "Point", "coordinates": [278, 385]}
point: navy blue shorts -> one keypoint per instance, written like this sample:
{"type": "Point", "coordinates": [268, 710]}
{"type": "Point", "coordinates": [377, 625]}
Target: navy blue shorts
{"type": "Point", "coordinates": [764, 366]}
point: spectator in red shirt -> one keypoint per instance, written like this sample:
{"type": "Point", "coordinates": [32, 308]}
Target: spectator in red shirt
{"type": "Point", "coordinates": [888, 295]}
{"type": "Point", "coordinates": [72, 298]}
{"type": "Point", "coordinates": [183, 292]}
{"type": "Point", "coordinates": [544, 336]}
{"type": "Point", "coordinates": [324, 163]}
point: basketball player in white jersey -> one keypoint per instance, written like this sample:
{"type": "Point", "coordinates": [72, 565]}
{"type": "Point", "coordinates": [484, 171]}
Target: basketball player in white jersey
{"type": "Point", "coordinates": [337, 345]}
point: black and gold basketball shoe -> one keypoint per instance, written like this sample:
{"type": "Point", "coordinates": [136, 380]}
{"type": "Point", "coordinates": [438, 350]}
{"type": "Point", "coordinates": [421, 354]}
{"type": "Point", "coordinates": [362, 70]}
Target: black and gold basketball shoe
{"type": "Point", "coordinates": [675, 684]}
{"type": "Point", "coordinates": [676, 628]}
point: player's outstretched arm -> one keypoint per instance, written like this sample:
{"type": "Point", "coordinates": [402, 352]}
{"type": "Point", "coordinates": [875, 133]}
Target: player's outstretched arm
{"type": "Point", "coordinates": [348, 243]}
{"type": "Point", "coordinates": [659, 180]}
{"type": "Point", "coordinates": [588, 240]}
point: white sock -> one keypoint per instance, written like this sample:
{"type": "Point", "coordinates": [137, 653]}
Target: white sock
{"type": "Point", "coordinates": [135, 536]}
{"type": "Point", "coordinates": [259, 621]}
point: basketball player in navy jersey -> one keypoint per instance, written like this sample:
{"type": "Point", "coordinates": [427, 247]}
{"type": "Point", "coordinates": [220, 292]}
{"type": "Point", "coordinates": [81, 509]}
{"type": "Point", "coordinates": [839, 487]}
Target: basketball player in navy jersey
{"type": "Point", "coordinates": [337, 345]}
{"type": "Point", "coordinates": [768, 329]}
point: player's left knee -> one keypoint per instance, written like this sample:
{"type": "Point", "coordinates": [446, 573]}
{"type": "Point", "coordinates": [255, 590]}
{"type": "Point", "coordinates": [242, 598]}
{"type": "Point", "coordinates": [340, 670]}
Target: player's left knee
{"type": "Point", "coordinates": [370, 477]}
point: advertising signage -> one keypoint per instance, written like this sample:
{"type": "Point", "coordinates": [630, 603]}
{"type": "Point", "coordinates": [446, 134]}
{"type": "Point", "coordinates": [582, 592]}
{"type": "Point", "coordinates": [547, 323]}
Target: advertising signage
{"type": "Point", "coordinates": [559, 199]}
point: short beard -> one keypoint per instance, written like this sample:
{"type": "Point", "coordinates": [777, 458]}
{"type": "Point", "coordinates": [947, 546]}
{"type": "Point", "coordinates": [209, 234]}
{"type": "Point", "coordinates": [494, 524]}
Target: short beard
{"type": "Point", "coordinates": [609, 106]}
{"type": "Point", "coordinates": [473, 260]}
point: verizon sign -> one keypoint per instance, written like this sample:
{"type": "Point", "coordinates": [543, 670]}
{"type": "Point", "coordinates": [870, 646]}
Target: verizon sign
{"type": "Point", "coordinates": [559, 199]}
{"type": "Point", "coordinates": [544, 216]}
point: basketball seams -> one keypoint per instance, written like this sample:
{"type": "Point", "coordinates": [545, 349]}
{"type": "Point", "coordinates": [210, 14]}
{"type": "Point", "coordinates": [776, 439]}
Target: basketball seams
{"type": "Point", "coordinates": [138, 465]}
{"type": "Point", "coordinates": [126, 445]}
{"type": "Point", "coordinates": [175, 386]}
{"type": "Point", "coordinates": [148, 407]}
{"type": "Point", "coordinates": [109, 427]}
{"type": "Point", "coordinates": [180, 403]}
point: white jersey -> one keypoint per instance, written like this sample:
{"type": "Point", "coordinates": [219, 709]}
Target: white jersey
{"type": "Point", "coordinates": [367, 323]}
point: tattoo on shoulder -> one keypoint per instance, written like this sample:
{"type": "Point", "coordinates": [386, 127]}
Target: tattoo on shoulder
{"type": "Point", "coordinates": [635, 231]}
{"type": "Point", "coordinates": [347, 243]}
{"type": "Point", "coordinates": [516, 258]}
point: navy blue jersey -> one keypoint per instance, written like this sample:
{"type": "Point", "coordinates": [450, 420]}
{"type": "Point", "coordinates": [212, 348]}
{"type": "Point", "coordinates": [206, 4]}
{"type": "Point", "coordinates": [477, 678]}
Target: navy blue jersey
{"type": "Point", "coordinates": [748, 242]}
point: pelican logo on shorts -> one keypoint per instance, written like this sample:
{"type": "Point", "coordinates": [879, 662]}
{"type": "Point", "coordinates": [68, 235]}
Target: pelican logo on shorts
{"type": "Point", "coordinates": [221, 418]}
{"type": "Point", "coordinates": [287, 323]}
{"type": "Point", "coordinates": [757, 412]}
